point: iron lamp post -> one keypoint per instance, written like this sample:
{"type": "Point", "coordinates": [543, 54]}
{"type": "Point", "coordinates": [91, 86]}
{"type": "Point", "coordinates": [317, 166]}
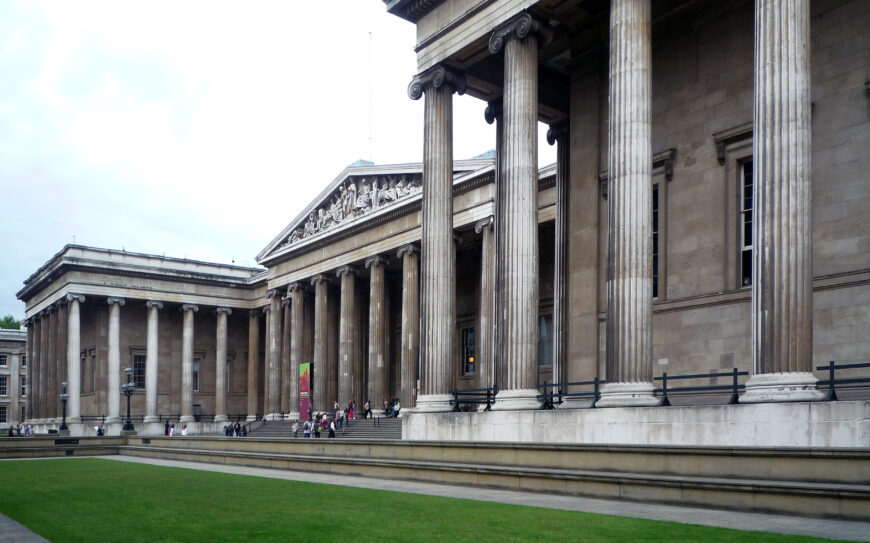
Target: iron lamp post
{"type": "Point", "coordinates": [63, 398]}
{"type": "Point", "coordinates": [128, 391]}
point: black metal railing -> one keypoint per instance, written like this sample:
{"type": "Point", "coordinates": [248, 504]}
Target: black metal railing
{"type": "Point", "coordinates": [734, 387]}
{"type": "Point", "coordinates": [832, 380]}
{"type": "Point", "coordinates": [555, 393]}
{"type": "Point", "coordinates": [473, 396]}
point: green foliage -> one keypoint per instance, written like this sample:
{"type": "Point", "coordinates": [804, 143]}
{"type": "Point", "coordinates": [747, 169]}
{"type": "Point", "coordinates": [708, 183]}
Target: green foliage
{"type": "Point", "coordinates": [10, 323]}
{"type": "Point", "coordinates": [90, 499]}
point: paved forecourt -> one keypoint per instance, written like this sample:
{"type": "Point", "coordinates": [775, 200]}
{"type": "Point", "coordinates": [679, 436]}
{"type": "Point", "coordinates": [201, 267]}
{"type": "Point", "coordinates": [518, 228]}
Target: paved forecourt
{"type": "Point", "coordinates": [816, 527]}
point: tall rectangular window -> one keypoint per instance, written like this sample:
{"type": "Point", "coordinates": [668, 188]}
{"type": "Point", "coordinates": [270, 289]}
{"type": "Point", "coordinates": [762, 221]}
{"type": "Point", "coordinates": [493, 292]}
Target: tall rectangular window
{"type": "Point", "coordinates": [23, 361]}
{"type": "Point", "coordinates": [545, 340]}
{"type": "Point", "coordinates": [3, 390]}
{"type": "Point", "coordinates": [84, 375]}
{"type": "Point", "coordinates": [468, 354]}
{"type": "Point", "coordinates": [3, 360]}
{"type": "Point", "coordinates": [197, 364]}
{"type": "Point", "coordinates": [23, 387]}
{"type": "Point", "coordinates": [746, 234]}
{"type": "Point", "coordinates": [655, 240]}
{"type": "Point", "coordinates": [139, 370]}
{"type": "Point", "coordinates": [229, 386]}
{"type": "Point", "coordinates": [3, 416]}
{"type": "Point", "coordinates": [23, 412]}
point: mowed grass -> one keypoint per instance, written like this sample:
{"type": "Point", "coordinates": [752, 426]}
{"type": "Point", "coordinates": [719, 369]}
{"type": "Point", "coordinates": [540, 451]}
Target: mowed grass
{"type": "Point", "coordinates": [91, 499]}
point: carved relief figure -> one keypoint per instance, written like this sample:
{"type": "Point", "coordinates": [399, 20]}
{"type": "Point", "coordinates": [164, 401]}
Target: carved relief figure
{"type": "Point", "coordinates": [349, 202]}
{"type": "Point", "coordinates": [364, 197]}
{"type": "Point", "coordinates": [311, 224]}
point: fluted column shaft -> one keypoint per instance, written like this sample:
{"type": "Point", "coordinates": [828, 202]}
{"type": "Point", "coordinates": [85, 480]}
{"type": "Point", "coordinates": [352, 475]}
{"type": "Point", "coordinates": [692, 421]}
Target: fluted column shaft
{"type": "Point", "coordinates": [410, 325]}
{"type": "Point", "coordinates": [319, 372]}
{"type": "Point", "coordinates": [62, 345]}
{"type": "Point", "coordinates": [220, 384]}
{"type": "Point", "coordinates": [346, 332]}
{"type": "Point", "coordinates": [43, 365]}
{"type": "Point", "coordinates": [267, 363]}
{"type": "Point", "coordinates": [51, 367]}
{"type": "Point", "coordinates": [629, 246]}
{"type": "Point", "coordinates": [253, 362]}
{"type": "Point", "coordinates": [297, 331]}
{"type": "Point", "coordinates": [187, 363]}
{"type": "Point", "coordinates": [288, 405]}
{"type": "Point", "coordinates": [274, 380]}
{"type": "Point", "coordinates": [28, 401]}
{"type": "Point", "coordinates": [438, 266]}
{"type": "Point", "coordinates": [74, 361]}
{"type": "Point", "coordinates": [782, 287]}
{"type": "Point", "coordinates": [151, 360]}
{"type": "Point", "coordinates": [113, 395]}
{"type": "Point", "coordinates": [560, 134]}
{"type": "Point", "coordinates": [486, 324]}
{"type": "Point", "coordinates": [519, 179]}
{"type": "Point", "coordinates": [33, 383]}
{"type": "Point", "coordinates": [377, 363]}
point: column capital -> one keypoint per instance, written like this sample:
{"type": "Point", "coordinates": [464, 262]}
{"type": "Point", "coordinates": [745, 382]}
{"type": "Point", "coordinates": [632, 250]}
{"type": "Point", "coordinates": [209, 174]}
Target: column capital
{"type": "Point", "coordinates": [59, 303]}
{"type": "Point", "coordinates": [434, 78]}
{"type": "Point", "coordinates": [493, 111]}
{"type": "Point", "coordinates": [154, 303]}
{"type": "Point", "coordinates": [317, 279]}
{"type": "Point", "coordinates": [345, 270]}
{"type": "Point", "coordinates": [226, 310]}
{"type": "Point", "coordinates": [408, 249]}
{"type": "Point", "coordinates": [483, 224]}
{"type": "Point", "coordinates": [286, 302]}
{"type": "Point", "coordinates": [189, 307]}
{"type": "Point", "coordinates": [376, 260]}
{"type": "Point", "coordinates": [113, 300]}
{"type": "Point", "coordinates": [519, 27]}
{"type": "Point", "coordinates": [75, 297]}
{"type": "Point", "coordinates": [293, 287]}
{"type": "Point", "coordinates": [50, 308]}
{"type": "Point", "coordinates": [266, 309]}
{"type": "Point", "coordinates": [272, 293]}
{"type": "Point", "coordinates": [558, 132]}
{"type": "Point", "coordinates": [254, 313]}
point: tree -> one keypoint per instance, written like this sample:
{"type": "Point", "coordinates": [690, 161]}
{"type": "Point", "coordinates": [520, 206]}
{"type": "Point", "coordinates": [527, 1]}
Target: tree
{"type": "Point", "coordinates": [10, 323]}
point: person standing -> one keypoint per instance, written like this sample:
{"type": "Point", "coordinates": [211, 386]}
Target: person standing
{"type": "Point", "coordinates": [306, 429]}
{"type": "Point", "coordinates": [332, 428]}
{"type": "Point", "coordinates": [367, 409]}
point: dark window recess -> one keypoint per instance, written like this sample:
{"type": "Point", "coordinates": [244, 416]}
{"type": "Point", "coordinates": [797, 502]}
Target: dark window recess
{"type": "Point", "coordinates": [468, 351]}
{"type": "Point", "coordinates": [545, 340]}
{"type": "Point", "coordinates": [746, 233]}
{"type": "Point", "coordinates": [655, 241]}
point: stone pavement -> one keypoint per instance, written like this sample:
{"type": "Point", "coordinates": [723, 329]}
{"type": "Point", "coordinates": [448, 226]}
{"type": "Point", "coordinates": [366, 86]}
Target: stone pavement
{"type": "Point", "coordinates": [830, 528]}
{"type": "Point", "coordinates": [12, 532]}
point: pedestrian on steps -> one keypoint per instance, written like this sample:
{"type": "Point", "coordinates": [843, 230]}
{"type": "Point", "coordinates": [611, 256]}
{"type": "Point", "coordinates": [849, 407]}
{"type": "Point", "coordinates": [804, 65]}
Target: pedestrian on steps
{"type": "Point", "coordinates": [332, 428]}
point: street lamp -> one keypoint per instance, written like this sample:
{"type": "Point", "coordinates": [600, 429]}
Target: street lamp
{"type": "Point", "coordinates": [63, 398]}
{"type": "Point", "coordinates": [128, 391]}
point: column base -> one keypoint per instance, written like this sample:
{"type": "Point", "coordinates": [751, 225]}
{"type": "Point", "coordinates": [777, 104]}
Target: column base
{"type": "Point", "coordinates": [220, 418]}
{"type": "Point", "coordinates": [627, 395]}
{"type": "Point", "coordinates": [782, 387]}
{"type": "Point", "coordinates": [250, 418]}
{"type": "Point", "coordinates": [514, 400]}
{"type": "Point", "coordinates": [112, 420]}
{"type": "Point", "coordinates": [151, 418]}
{"type": "Point", "coordinates": [292, 416]}
{"type": "Point", "coordinates": [186, 418]}
{"type": "Point", "coordinates": [575, 403]}
{"type": "Point", "coordinates": [73, 420]}
{"type": "Point", "coordinates": [433, 403]}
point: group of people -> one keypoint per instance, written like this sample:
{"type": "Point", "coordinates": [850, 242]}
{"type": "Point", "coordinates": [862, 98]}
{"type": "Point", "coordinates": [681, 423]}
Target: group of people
{"type": "Point", "coordinates": [236, 429]}
{"type": "Point", "coordinates": [314, 426]}
{"type": "Point", "coordinates": [391, 409]}
{"type": "Point", "coordinates": [169, 429]}
{"type": "Point", "coordinates": [15, 431]}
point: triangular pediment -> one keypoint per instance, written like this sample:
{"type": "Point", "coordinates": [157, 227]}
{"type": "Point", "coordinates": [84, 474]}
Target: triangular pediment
{"type": "Point", "coordinates": [358, 193]}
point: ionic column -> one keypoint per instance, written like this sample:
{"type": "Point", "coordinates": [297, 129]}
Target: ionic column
{"type": "Point", "coordinates": [220, 381]}
{"type": "Point", "coordinates": [486, 324]}
{"type": "Point", "coordinates": [288, 405]}
{"type": "Point", "coordinates": [494, 114]}
{"type": "Point", "coordinates": [187, 363]}
{"type": "Point", "coordinates": [559, 134]}
{"type": "Point", "coordinates": [439, 305]}
{"type": "Point", "coordinates": [296, 296]}
{"type": "Point", "coordinates": [346, 328]}
{"type": "Point", "coordinates": [113, 393]}
{"type": "Point", "coordinates": [73, 353]}
{"type": "Point", "coordinates": [28, 401]}
{"type": "Point", "coordinates": [253, 361]}
{"type": "Point", "coordinates": [33, 383]}
{"type": "Point", "coordinates": [44, 361]}
{"type": "Point", "coordinates": [273, 405]}
{"type": "Point", "coordinates": [151, 361]}
{"type": "Point", "coordinates": [782, 271]}
{"type": "Point", "coordinates": [519, 179]}
{"type": "Point", "coordinates": [62, 345]}
{"type": "Point", "coordinates": [629, 248]}
{"type": "Point", "coordinates": [377, 385]}
{"type": "Point", "coordinates": [410, 325]}
{"type": "Point", "coordinates": [319, 372]}
{"type": "Point", "coordinates": [51, 367]}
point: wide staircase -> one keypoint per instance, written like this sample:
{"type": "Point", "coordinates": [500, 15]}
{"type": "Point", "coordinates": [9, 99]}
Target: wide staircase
{"type": "Point", "coordinates": [373, 428]}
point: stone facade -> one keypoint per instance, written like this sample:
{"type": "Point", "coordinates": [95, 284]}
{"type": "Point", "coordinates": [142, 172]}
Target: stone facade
{"type": "Point", "coordinates": [656, 244]}
{"type": "Point", "coordinates": [13, 378]}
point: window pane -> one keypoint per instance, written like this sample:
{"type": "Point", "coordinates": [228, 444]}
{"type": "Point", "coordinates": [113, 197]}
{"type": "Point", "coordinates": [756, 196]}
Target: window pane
{"type": "Point", "coordinates": [545, 340]}
{"type": "Point", "coordinates": [139, 370]}
{"type": "Point", "coordinates": [2, 386]}
{"type": "Point", "coordinates": [468, 351]}
{"type": "Point", "coordinates": [196, 363]}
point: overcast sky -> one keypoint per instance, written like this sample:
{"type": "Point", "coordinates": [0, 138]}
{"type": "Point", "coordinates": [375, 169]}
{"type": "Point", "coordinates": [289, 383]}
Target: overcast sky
{"type": "Point", "coordinates": [195, 129]}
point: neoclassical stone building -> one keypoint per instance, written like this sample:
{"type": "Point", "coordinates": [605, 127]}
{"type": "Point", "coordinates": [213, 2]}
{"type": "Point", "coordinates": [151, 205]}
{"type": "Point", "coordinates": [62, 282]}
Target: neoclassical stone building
{"type": "Point", "coordinates": [707, 212]}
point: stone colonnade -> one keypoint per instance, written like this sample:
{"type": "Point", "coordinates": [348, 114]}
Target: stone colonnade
{"type": "Point", "coordinates": [781, 294]}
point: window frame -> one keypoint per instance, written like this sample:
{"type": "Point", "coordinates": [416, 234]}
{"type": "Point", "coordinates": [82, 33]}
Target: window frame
{"type": "Point", "coordinates": [143, 363]}
{"type": "Point", "coordinates": [24, 385]}
{"type": "Point", "coordinates": [543, 313]}
{"type": "Point", "coordinates": [4, 361]}
{"type": "Point", "coordinates": [468, 369]}
{"type": "Point", "coordinates": [733, 149]}
{"type": "Point", "coordinates": [4, 414]}
{"type": "Point", "coordinates": [4, 385]}
{"type": "Point", "coordinates": [196, 373]}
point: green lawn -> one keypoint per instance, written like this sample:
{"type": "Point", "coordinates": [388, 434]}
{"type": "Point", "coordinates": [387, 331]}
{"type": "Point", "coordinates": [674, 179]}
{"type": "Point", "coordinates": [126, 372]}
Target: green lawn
{"type": "Point", "coordinates": [92, 499]}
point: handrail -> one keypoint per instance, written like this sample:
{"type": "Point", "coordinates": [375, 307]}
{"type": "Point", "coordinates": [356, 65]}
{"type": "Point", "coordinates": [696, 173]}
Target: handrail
{"type": "Point", "coordinates": [558, 390]}
{"type": "Point", "coordinates": [734, 387]}
{"type": "Point", "coordinates": [832, 380]}
{"type": "Point", "coordinates": [474, 396]}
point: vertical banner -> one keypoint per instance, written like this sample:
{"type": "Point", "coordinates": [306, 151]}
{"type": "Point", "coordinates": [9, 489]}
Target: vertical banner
{"type": "Point", "coordinates": [304, 389]}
